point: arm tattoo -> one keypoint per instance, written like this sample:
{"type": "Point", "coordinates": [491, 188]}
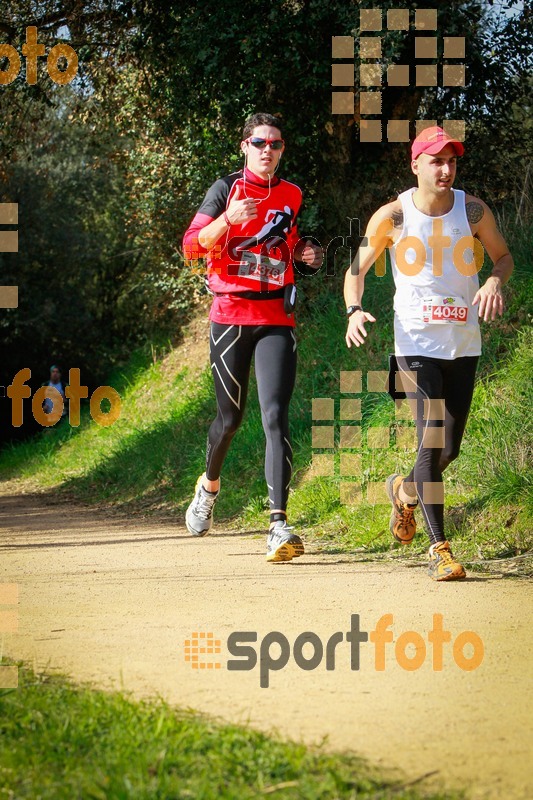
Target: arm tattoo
{"type": "Point", "coordinates": [397, 219]}
{"type": "Point", "coordinates": [474, 212]}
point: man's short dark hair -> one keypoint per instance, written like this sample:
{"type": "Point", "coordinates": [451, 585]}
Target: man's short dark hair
{"type": "Point", "coordinates": [260, 119]}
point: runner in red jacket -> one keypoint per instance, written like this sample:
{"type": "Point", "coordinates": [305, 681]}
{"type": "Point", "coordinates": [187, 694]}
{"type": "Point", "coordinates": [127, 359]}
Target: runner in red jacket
{"type": "Point", "coordinates": [246, 230]}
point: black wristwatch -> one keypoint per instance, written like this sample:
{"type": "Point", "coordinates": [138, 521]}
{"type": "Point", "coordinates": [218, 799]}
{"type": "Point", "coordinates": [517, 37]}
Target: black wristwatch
{"type": "Point", "coordinates": [352, 309]}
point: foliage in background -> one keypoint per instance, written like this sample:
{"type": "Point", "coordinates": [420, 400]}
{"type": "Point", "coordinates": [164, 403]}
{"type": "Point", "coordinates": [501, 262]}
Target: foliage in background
{"type": "Point", "coordinates": [109, 170]}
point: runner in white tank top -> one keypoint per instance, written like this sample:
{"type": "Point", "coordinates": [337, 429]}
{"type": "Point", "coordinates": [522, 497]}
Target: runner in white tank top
{"type": "Point", "coordinates": [415, 332]}
{"type": "Point", "coordinates": [438, 304]}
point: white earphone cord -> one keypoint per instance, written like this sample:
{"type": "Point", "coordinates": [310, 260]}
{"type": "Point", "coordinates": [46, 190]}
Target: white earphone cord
{"type": "Point", "coordinates": [247, 196]}
{"type": "Point", "coordinates": [261, 200]}
{"type": "Point", "coordinates": [244, 181]}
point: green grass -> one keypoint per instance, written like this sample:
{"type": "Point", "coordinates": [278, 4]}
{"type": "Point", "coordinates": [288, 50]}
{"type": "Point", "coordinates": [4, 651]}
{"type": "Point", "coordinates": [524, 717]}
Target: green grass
{"type": "Point", "coordinates": [61, 741]}
{"type": "Point", "coordinates": [149, 460]}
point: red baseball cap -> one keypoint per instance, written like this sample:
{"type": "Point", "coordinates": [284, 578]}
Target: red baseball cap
{"type": "Point", "coordinates": [432, 141]}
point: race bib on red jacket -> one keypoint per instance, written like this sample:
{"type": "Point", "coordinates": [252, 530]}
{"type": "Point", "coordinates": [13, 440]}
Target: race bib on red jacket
{"type": "Point", "coordinates": [258, 254]}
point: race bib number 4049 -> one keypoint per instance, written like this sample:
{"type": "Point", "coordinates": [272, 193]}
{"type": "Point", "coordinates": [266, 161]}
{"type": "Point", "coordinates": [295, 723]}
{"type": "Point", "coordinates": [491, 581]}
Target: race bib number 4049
{"type": "Point", "coordinates": [440, 310]}
{"type": "Point", "coordinates": [261, 268]}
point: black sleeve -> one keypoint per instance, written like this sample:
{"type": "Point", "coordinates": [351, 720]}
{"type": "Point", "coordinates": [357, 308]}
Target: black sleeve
{"type": "Point", "coordinates": [214, 202]}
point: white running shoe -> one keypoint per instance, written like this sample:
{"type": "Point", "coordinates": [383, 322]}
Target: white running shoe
{"type": "Point", "coordinates": [282, 545]}
{"type": "Point", "coordinates": [199, 515]}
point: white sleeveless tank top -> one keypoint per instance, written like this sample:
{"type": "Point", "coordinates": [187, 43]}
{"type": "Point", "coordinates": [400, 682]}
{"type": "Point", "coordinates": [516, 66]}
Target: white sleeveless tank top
{"type": "Point", "coordinates": [429, 308]}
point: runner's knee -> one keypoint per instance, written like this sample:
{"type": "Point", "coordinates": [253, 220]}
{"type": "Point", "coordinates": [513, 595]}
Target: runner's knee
{"type": "Point", "coordinates": [229, 424]}
{"type": "Point", "coordinates": [274, 418]}
{"type": "Point", "coordinates": [449, 454]}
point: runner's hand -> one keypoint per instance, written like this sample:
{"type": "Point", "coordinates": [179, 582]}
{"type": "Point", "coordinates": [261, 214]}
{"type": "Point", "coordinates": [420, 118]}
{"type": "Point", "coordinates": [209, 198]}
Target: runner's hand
{"type": "Point", "coordinates": [311, 254]}
{"type": "Point", "coordinates": [241, 210]}
{"type": "Point", "coordinates": [490, 299]}
{"type": "Point", "coordinates": [356, 332]}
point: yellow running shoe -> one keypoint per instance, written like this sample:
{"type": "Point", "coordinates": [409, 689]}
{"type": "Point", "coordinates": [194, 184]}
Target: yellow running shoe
{"type": "Point", "coordinates": [402, 521]}
{"type": "Point", "coordinates": [442, 565]}
{"type": "Point", "coordinates": [282, 544]}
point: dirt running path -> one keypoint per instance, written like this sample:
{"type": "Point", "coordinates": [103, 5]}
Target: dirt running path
{"type": "Point", "coordinates": [112, 601]}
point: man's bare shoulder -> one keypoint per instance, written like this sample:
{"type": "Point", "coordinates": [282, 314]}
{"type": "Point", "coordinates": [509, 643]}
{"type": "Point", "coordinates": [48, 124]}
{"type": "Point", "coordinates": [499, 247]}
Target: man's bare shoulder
{"type": "Point", "coordinates": [475, 208]}
{"type": "Point", "coordinates": [392, 210]}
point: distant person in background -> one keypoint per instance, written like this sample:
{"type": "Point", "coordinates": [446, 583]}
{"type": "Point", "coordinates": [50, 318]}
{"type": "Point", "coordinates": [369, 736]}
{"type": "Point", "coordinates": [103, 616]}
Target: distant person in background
{"type": "Point", "coordinates": [56, 383]}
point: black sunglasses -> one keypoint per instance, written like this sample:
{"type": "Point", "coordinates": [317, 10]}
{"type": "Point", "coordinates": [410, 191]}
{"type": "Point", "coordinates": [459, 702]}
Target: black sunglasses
{"type": "Point", "coordinates": [275, 144]}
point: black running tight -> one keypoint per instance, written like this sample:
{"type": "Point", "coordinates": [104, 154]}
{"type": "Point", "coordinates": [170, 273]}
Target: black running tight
{"type": "Point", "coordinates": [232, 348]}
{"type": "Point", "coordinates": [443, 395]}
